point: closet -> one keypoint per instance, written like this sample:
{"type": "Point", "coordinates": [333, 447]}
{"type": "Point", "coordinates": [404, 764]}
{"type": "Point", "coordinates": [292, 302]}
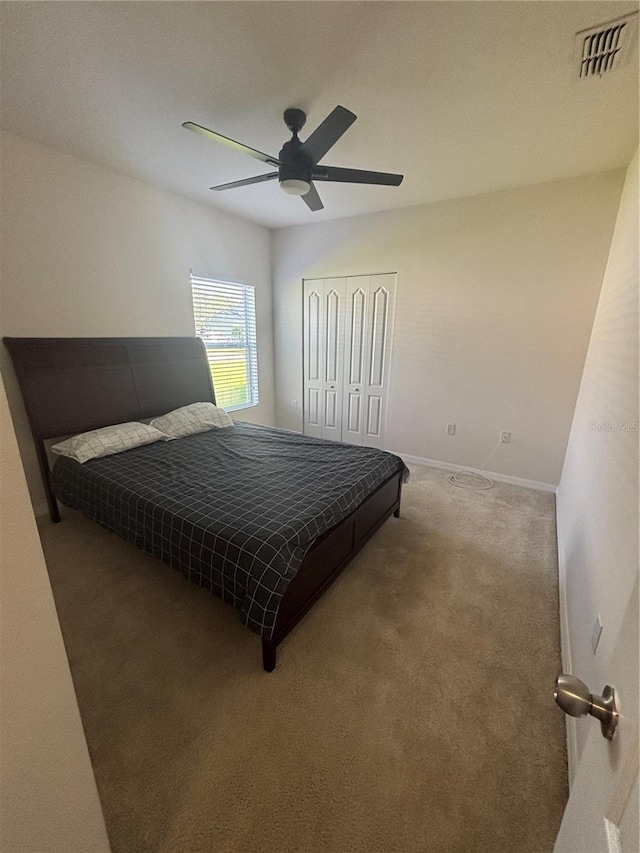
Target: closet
{"type": "Point", "coordinates": [347, 337]}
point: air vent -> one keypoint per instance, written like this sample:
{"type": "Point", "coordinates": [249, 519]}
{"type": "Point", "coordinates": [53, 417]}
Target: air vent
{"type": "Point", "coordinates": [604, 48]}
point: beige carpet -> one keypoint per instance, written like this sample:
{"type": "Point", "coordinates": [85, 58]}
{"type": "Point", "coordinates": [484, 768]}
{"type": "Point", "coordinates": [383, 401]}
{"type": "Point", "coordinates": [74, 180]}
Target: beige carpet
{"type": "Point", "coordinates": [412, 710]}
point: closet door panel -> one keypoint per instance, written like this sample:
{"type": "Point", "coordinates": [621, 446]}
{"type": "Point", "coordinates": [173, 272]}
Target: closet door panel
{"type": "Point", "coordinates": [331, 409]}
{"type": "Point", "coordinates": [379, 310]}
{"type": "Point", "coordinates": [354, 415]}
{"type": "Point", "coordinates": [379, 322]}
{"type": "Point", "coordinates": [373, 427]}
{"type": "Point", "coordinates": [313, 409]}
{"type": "Point", "coordinates": [356, 343]}
{"type": "Point", "coordinates": [357, 301]}
{"type": "Point", "coordinates": [334, 291]}
{"type": "Point", "coordinates": [313, 313]}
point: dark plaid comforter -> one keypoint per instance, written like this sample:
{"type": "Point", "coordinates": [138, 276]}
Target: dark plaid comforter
{"type": "Point", "coordinates": [235, 510]}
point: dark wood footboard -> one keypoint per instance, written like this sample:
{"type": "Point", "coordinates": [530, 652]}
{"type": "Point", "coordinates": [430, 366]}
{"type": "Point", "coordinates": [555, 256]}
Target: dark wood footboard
{"type": "Point", "coordinates": [328, 557]}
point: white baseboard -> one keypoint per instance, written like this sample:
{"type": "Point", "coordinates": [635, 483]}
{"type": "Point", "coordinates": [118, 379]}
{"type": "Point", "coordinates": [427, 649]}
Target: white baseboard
{"type": "Point", "coordinates": [499, 478]}
{"type": "Point", "coordinates": [565, 654]}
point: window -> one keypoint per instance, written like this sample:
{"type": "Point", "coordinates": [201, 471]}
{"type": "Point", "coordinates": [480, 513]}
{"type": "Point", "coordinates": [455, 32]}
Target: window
{"type": "Point", "coordinates": [225, 319]}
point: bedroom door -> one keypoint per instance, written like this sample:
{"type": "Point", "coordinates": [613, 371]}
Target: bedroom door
{"type": "Point", "coordinates": [347, 331]}
{"type": "Point", "coordinates": [602, 814]}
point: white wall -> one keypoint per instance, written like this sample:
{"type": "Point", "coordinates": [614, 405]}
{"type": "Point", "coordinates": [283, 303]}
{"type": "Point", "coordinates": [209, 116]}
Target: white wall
{"type": "Point", "coordinates": [496, 298]}
{"type": "Point", "coordinates": [597, 501]}
{"type": "Point", "coordinates": [87, 251]}
{"type": "Point", "coordinates": [48, 796]}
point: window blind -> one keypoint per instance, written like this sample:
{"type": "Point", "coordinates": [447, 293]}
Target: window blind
{"type": "Point", "coordinates": [225, 318]}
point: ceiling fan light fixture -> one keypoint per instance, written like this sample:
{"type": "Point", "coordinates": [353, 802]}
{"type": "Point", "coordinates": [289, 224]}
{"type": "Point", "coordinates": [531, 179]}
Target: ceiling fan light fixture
{"type": "Point", "coordinates": [295, 186]}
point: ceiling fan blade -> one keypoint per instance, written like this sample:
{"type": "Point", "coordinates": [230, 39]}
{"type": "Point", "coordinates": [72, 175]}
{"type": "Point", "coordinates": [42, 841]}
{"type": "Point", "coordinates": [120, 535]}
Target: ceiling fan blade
{"type": "Point", "coordinates": [312, 199]}
{"type": "Point", "coordinates": [231, 143]}
{"type": "Point", "coordinates": [355, 176]}
{"type": "Point", "coordinates": [327, 134]}
{"type": "Point", "coordinates": [246, 181]}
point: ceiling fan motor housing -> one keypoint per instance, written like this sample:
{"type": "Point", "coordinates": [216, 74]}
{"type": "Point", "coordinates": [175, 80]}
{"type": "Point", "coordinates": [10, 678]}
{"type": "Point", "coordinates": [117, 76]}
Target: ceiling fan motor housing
{"type": "Point", "coordinates": [294, 164]}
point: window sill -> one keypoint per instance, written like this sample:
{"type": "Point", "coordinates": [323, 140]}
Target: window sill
{"type": "Point", "coordinates": [230, 410]}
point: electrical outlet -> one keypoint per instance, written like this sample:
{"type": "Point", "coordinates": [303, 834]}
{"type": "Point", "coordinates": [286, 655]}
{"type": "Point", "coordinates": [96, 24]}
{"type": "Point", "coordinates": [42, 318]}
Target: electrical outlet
{"type": "Point", "coordinates": [451, 429]}
{"type": "Point", "coordinates": [596, 634]}
{"type": "Point", "coordinates": [294, 404]}
{"type": "Point", "coordinates": [505, 437]}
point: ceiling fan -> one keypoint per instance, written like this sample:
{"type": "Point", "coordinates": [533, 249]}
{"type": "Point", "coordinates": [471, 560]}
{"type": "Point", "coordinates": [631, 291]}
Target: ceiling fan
{"type": "Point", "coordinates": [297, 162]}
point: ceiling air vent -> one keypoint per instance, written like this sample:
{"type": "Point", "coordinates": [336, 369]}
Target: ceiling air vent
{"type": "Point", "coordinates": [603, 48]}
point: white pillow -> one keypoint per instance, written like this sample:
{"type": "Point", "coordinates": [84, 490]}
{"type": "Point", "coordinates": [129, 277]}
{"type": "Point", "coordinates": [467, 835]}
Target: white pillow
{"type": "Point", "coordinates": [197, 417]}
{"type": "Point", "coordinates": [107, 440]}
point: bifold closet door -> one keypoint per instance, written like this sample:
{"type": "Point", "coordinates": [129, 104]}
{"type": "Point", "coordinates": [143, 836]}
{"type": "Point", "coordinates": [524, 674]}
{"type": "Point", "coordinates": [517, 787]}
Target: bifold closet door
{"type": "Point", "coordinates": [347, 329]}
{"type": "Point", "coordinates": [368, 322]}
{"type": "Point", "coordinates": [323, 357]}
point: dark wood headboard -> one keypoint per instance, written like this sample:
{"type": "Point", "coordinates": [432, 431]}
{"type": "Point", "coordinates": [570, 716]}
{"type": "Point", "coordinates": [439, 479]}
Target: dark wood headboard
{"type": "Point", "coordinates": [71, 385]}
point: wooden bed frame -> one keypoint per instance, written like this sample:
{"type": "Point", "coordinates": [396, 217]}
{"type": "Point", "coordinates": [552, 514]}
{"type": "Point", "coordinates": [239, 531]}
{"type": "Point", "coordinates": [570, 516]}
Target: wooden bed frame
{"type": "Point", "coordinates": [71, 385]}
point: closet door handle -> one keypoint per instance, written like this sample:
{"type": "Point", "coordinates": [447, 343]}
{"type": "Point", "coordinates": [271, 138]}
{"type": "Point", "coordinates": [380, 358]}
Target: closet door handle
{"type": "Point", "coordinates": [356, 390]}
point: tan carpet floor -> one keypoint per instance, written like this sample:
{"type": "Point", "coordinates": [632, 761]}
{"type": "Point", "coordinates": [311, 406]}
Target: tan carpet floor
{"type": "Point", "coordinates": [412, 709]}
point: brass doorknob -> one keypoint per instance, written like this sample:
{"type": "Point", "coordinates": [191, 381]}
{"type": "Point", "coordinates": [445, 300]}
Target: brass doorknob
{"type": "Point", "coordinates": [575, 699]}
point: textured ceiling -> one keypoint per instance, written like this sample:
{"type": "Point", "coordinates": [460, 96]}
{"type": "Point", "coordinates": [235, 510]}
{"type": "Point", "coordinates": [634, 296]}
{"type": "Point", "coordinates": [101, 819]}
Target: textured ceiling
{"type": "Point", "coordinates": [461, 97]}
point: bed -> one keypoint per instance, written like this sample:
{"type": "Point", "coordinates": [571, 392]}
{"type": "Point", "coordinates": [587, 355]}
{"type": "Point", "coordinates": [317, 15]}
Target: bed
{"type": "Point", "coordinates": [264, 519]}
